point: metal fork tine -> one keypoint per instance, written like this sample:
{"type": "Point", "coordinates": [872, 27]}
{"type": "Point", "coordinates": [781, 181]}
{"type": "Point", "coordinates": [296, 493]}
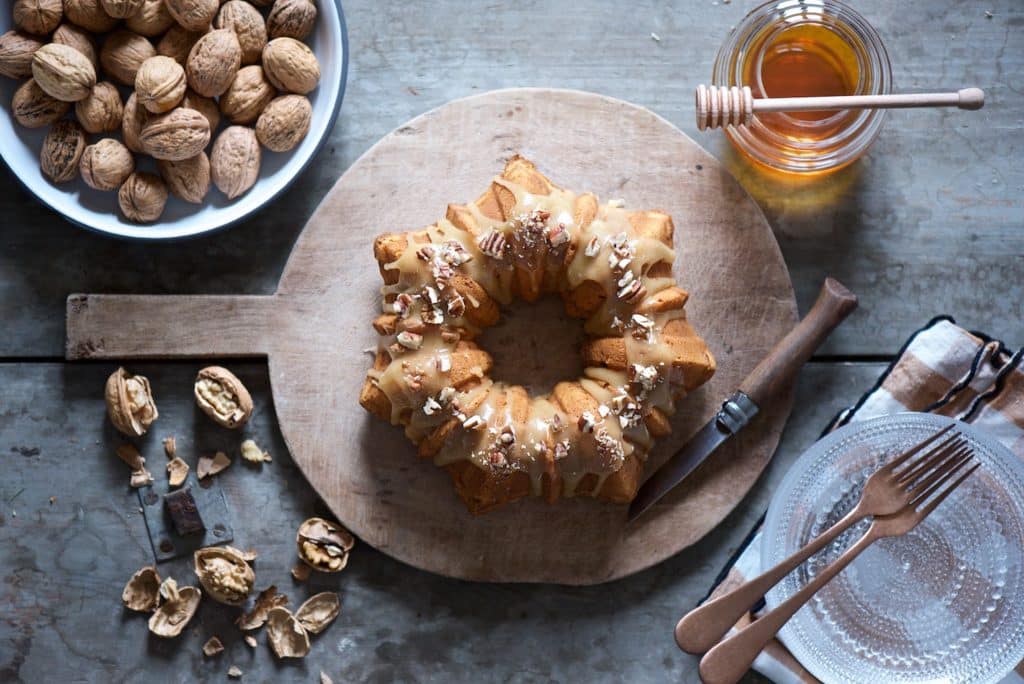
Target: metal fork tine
{"type": "Point", "coordinates": [926, 463]}
{"type": "Point", "coordinates": [926, 511]}
{"type": "Point", "coordinates": [916, 448]}
{"type": "Point", "coordinates": [954, 461]}
{"type": "Point", "coordinates": [920, 498]}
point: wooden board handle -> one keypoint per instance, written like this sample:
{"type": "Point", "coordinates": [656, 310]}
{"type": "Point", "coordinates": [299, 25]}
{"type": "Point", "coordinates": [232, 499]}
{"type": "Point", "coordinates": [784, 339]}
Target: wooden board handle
{"type": "Point", "coordinates": [777, 369]}
{"type": "Point", "coordinates": [167, 327]}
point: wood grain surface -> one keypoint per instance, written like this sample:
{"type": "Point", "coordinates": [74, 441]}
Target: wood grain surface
{"type": "Point", "coordinates": [316, 328]}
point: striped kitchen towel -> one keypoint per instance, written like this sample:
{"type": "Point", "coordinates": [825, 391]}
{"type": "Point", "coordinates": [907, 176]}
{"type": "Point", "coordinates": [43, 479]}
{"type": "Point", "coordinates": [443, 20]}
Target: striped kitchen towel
{"type": "Point", "coordinates": [942, 369]}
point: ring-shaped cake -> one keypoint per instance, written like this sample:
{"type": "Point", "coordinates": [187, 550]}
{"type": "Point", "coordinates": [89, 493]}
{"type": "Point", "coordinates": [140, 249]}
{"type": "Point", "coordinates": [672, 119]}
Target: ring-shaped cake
{"type": "Point", "coordinates": [523, 238]}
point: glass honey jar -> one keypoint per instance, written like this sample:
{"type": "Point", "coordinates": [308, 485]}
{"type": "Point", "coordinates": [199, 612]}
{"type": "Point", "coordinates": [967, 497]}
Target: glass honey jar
{"type": "Point", "coordinates": [800, 48]}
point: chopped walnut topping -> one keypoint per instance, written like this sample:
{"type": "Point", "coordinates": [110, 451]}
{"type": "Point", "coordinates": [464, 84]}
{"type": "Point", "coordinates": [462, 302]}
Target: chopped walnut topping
{"type": "Point", "coordinates": [593, 247]}
{"type": "Point", "coordinates": [444, 361]}
{"type": "Point", "coordinates": [425, 253]}
{"type": "Point", "coordinates": [535, 222]}
{"type": "Point", "coordinates": [410, 340]}
{"type": "Point", "coordinates": [561, 449]}
{"type": "Point", "coordinates": [610, 450]}
{"type": "Point", "coordinates": [450, 336]}
{"type": "Point", "coordinates": [430, 406]}
{"type": "Point", "coordinates": [452, 252]}
{"type": "Point", "coordinates": [603, 411]}
{"type": "Point", "coordinates": [633, 292]}
{"type": "Point", "coordinates": [507, 436]}
{"type": "Point", "coordinates": [617, 324]}
{"type": "Point", "coordinates": [456, 305]}
{"type": "Point", "coordinates": [556, 424]}
{"type": "Point", "coordinates": [586, 422]}
{"type": "Point", "coordinates": [626, 279]}
{"type": "Point", "coordinates": [616, 203]}
{"type": "Point", "coordinates": [496, 458]}
{"type": "Point", "coordinates": [557, 236]}
{"type": "Point", "coordinates": [643, 326]}
{"type": "Point", "coordinates": [446, 395]}
{"type": "Point", "coordinates": [493, 244]}
{"type": "Point", "coordinates": [433, 315]}
{"type": "Point", "coordinates": [473, 422]}
{"type": "Point", "coordinates": [645, 376]}
{"type": "Point", "coordinates": [430, 294]}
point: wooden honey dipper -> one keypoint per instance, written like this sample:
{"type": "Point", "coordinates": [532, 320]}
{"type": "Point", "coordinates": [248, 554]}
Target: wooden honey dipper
{"type": "Point", "coordinates": [723, 105]}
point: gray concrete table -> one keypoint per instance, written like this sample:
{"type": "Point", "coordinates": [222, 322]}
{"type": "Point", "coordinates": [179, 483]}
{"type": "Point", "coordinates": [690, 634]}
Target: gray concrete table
{"type": "Point", "coordinates": [930, 222]}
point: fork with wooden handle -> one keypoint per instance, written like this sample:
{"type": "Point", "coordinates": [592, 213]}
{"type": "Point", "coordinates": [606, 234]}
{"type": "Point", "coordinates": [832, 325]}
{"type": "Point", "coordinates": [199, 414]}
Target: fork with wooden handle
{"type": "Point", "coordinates": [727, 662]}
{"type": "Point", "coordinates": [884, 493]}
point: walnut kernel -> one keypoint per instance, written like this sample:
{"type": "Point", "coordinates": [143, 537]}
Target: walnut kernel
{"type": "Point", "coordinates": [224, 574]}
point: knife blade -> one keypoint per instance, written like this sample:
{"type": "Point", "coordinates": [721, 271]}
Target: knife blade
{"type": "Point", "coordinates": [770, 376]}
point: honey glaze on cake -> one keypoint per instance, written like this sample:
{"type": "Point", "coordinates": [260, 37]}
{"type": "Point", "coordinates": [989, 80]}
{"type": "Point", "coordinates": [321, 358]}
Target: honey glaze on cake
{"type": "Point", "coordinates": [523, 238]}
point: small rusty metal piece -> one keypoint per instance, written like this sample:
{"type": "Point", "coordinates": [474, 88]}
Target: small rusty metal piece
{"type": "Point", "coordinates": [181, 506]}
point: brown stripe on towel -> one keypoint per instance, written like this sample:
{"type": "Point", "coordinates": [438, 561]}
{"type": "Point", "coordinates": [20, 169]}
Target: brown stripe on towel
{"type": "Point", "coordinates": [914, 384]}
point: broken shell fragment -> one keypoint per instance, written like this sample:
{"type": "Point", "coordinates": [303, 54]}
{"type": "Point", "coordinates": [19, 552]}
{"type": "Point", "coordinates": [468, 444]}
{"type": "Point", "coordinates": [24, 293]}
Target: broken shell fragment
{"type": "Point", "coordinates": [324, 545]}
{"type": "Point", "coordinates": [288, 639]}
{"type": "Point", "coordinates": [131, 456]}
{"type": "Point", "coordinates": [223, 397]}
{"type": "Point", "coordinates": [211, 465]}
{"type": "Point", "coordinates": [318, 611]}
{"type": "Point", "coordinates": [250, 640]}
{"type": "Point", "coordinates": [234, 672]}
{"type": "Point", "coordinates": [177, 471]}
{"type": "Point", "coordinates": [301, 571]}
{"type": "Point", "coordinates": [130, 403]}
{"type": "Point", "coordinates": [178, 608]}
{"type": "Point", "coordinates": [324, 679]}
{"type": "Point", "coordinates": [252, 453]}
{"type": "Point", "coordinates": [257, 617]}
{"type": "Point", "coordinates": [141, 478]}
{"type": "Point", "coordinates": [142, 592]}
{"type": "Point", "coordinates": [224, 574]}
{"type": "Point", "coordinates": [170, 447]}
{"type": "Point", "coordinates": [212, 647]}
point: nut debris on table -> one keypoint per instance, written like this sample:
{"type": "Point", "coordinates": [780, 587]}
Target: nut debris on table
{"type": "Point", "coordinates": [180, 605]}
{"type": "Point", "coordinates": [252, 453]}
{"type": "Point", "coordinates": [142, 592]}
{"type": "Point", "coordinates": [130, 402]}
{"type": "Point", "coordinates": [324, 545]}
{"type": "Point", "coordinates": [211, 465]}
{"type": "Point", "coordinates": [257, 617]}
{"type": "Point", "coordinates": [212, 647]}
{"type": "Point", "coordinates": [224, 574]}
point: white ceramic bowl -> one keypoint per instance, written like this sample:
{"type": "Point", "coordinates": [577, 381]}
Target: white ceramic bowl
{"type": "Point", "coordinates": [98, 210]}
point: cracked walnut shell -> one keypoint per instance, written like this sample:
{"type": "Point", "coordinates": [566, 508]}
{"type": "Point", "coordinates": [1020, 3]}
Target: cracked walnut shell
{"type": "Point", "coordinates": [235, 161]}
{"type": "Point", "coordinates": [106, 164]}
{"type": "Point", "coordinates": [160, 84]}
{"type": "Point", "coordinates": [291, 66]}
{"type": "Point", "coordinates": [33, 108]}
{"type": "Point", "coordinates": [142, 197]}
{"type": "Point", "coordinates": [130, 403]}
{"type": "Point", "coordinates": [16, 51]}
{"type": "Point", "coordinates": [224, 573]}
{"type": "Point", "coordinates": [62, 150]}
{"type": "Point", "coordinates": [179, 134]}
{"type": "Point", "coordinates": [222, 397]}
{"type": "Point", "coordinates": [142, 592]}
{"type": "Point", "coordinates": [286, 636]}
{"type": "Point", "coordinates": [318, 611]}
{"type": "Point", "coordinates": [257, 617]}
{"type": "Point", "coordinates": [324, 545]}
{"type": "Point", "coordinates": [101, 111]}
{"type": "Point", "coordinates": [63, 72]}
{"type": "Point", "coordinates": [179, 606]}
{"type": "Point", "coordinates": [213, 62]}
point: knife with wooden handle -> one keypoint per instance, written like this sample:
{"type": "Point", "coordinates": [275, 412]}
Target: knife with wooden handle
{"type": "Point", "coordinates": [774, 373]}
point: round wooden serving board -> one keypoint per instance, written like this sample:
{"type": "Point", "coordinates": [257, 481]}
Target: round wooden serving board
{"type": "Point", "coordinates": [316, 329]}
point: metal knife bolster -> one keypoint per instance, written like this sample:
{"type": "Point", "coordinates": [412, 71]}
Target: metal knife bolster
{"type": "Point", "coordinates": [736, 412]}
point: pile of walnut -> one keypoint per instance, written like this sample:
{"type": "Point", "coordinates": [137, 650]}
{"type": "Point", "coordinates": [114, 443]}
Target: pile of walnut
{"type": "Point", "coordinates": [226, 575]}
{"type": "Point", "coordinates": [184, 65]}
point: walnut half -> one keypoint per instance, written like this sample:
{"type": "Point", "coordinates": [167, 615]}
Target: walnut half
{"type": "Point", "coordinates": [324, 545]}
{"type": "Point", "coordinates": [223, 397]}
{"type": "Point", "coordinates": [130, 403]}
{"type": "Point", "coordinates": [224, 574]}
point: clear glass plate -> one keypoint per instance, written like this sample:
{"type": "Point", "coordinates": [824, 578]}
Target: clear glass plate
{"type": "Point", "coordinates": [944, 603]}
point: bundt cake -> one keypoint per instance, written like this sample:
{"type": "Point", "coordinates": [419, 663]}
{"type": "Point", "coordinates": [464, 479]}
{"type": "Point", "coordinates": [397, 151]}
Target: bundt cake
{"type": "Point", "coordinates": [525, 237]}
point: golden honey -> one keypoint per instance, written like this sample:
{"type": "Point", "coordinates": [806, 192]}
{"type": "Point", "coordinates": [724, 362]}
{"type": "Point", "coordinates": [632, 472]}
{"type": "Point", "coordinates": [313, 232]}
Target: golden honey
{"type": "Point", "coordinates": [801, 48]}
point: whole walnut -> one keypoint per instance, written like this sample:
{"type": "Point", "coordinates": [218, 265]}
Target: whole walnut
{"type": "Point", "coordinates": [291, 66]}
{"type": "Point", "coordinates": [235, 161]}
{"type": "Point", "coordinates": [33, 108]}
{"type": "Point", "coordinates": [133, 119]}
{"type": "Point", "coordinates": [152, 20]}
{"type": "Point", "coordinates": [177, 43]}
{"type": "Point", "coordinates": [130, 403]}
{"type": "Point", "coordinates": [160, 84]}
{"type": "Point", "coordinates": [39, 17]}
{"type": "Point", "coordinates": [63, 72]}
{"type": "Point", "coordinates": [142, 197]}
{"type": "Point", "coordinates": [247, 95]}
{"type": "Point", "coordinates": [90, 15]}
{"type": "Point", "coordinates": [195, 15]}
{"type": "Point", "coordinates": [213, 62]}
{"type": "Point", "coordinates": [291, 19]}
{"type": "Point", "coordinates": [106, 164]}
{"type": "Point", "coordinates": [122, 9]}
{"type": "Point", "coordinates": [206, 106]}
{"type": "Point", "coordinates": [62, 150]}
{"type": "Point", "coordinates": [101, 111]}
{"type": "Point", "coordinates": [78, 38]}
{"type": "Point", "coordinates": [248, 25]}
{"type": "Point", "coordinates": [179, 134]}
{"type": "Point", "coordinates": [16, 50]}
{"type": "Point", "coordinates": [123, 53]}
{"type": "Point", "coordinates": [284, 123]}
{"type": "Point", "coordinates": [187, 179]}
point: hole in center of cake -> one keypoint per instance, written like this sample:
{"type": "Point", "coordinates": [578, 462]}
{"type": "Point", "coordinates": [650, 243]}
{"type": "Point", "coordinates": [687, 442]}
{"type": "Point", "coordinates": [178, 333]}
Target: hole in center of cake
{"type": "Point", "coordinates": [535, 345]}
